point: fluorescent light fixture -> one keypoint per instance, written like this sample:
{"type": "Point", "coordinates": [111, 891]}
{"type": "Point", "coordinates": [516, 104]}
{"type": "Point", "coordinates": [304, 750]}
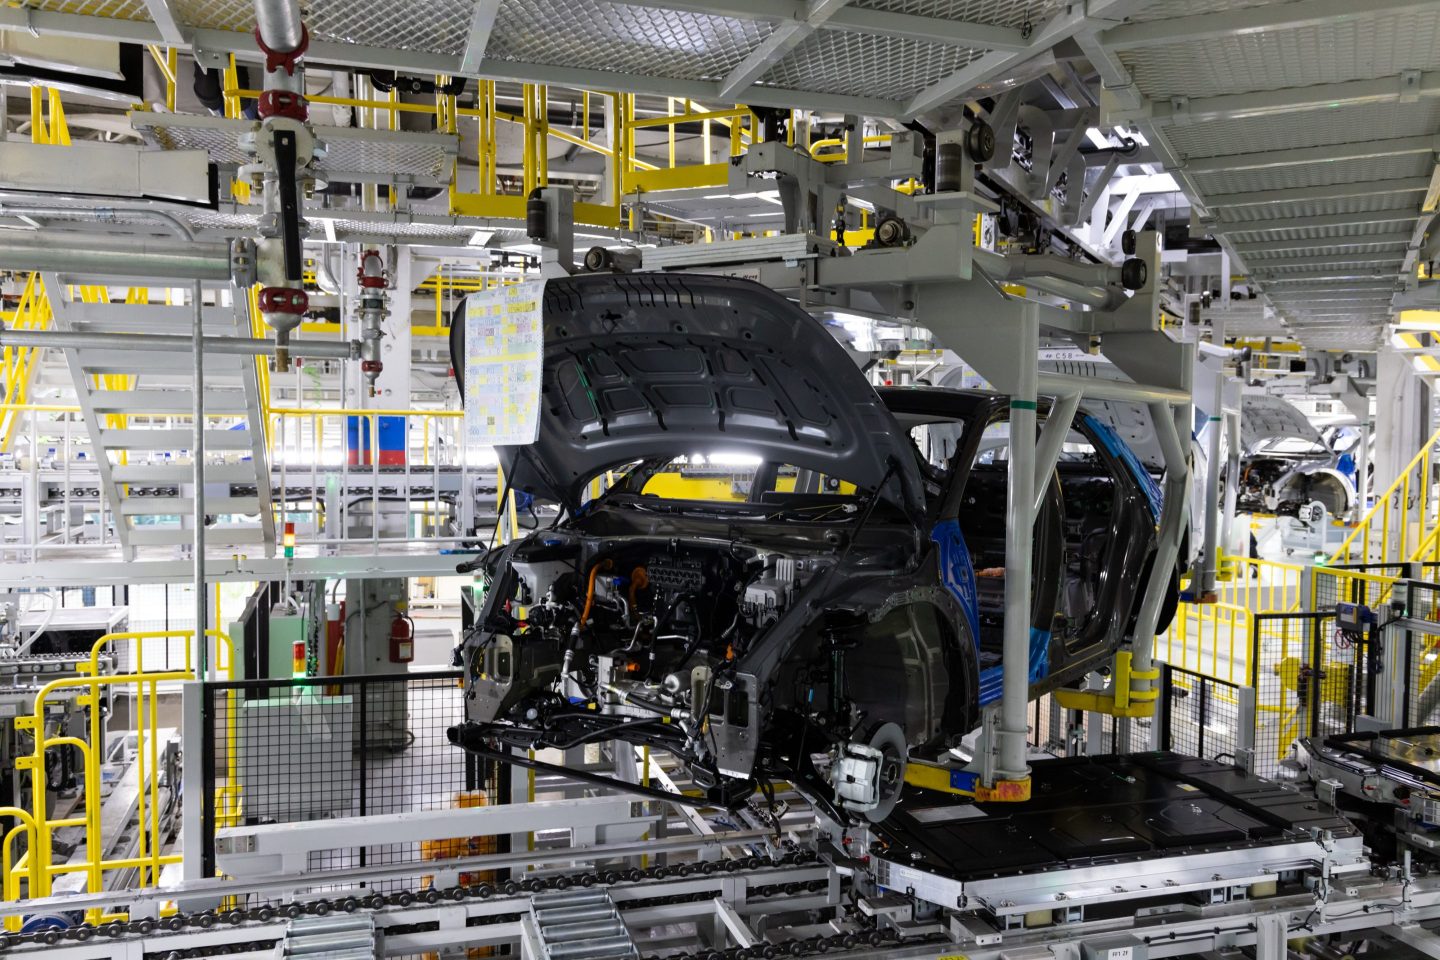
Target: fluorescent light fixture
{"type": "Point", "coordinates": [732, 459]}
{"type": "Point", "coordinates": [1098, 139]}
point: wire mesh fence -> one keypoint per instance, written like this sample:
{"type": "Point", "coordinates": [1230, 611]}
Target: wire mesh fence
{"type": "Point", "coordinates": [1200, 716]}
{"type": "Point", "coordinates": [1310, 679]}
{"type": "Point", "coordinates": [1422, 601]}
{"type": "Point", "coordinates": [288, 751]}
{"type": "Point", "coordinates": [1369, 584]}
{"type": "Point", "coordinates": [1069, 733]}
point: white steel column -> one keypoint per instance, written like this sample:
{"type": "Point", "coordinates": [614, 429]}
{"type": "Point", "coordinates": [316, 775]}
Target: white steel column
{"type": "Point", "coordinates": [202, 607]}
{"type": "Point", "coordinates": [1019, 546]}
{"type": "Point", "coordinates": [1232, 477]}
{"type": "Point", "coordinates": [1216, 424]}
{"type": "Point", "coordinates": [1362, 469]}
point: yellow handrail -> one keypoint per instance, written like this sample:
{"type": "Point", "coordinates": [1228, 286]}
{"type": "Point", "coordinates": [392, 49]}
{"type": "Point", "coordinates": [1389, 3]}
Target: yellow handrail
{"type": "Point", "coordinates": [1345, 553]}
{"type": "Point", "coordinates": [18, 365]}
{"type": "Point", "coordinates": [38, 861]}
{"type": "Point", "coordinates": [139, 636]}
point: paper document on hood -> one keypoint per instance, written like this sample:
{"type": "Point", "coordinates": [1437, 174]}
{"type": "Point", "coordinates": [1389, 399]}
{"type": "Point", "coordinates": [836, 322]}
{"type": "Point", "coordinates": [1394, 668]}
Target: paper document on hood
{"type": "Point", "coordinates": [504, 353]}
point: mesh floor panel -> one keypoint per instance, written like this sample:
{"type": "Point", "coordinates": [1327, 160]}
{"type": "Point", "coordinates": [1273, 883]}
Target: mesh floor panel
{"type": "Point", "coordinates": [1000, 13]}
{"type": "Point", "coordinates": [623, 38]}
{"type": "Point", "coordinates": [895, 68]}
{"type": "Point", "coordinates": [373, 153]}
{"type": "Point", "coordinates": [1332, 52]}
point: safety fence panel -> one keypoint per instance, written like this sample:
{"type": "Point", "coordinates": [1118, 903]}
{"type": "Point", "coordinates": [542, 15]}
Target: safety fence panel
{"type": "Point", "coordinates": [317, 748]}
{"type": "Point", "coordinates": [1369, 584]}
{"type": "Point", "coordinates": [1260, 586]}
{"type": "Point", "coordinates": [1208, 638]}
{"type": "Point", "coordinates": [1072, 733]}
{"type": "Point", "coordinates": [1310, 679]}
{"type": "Point", "coordinates": [1404, 523]}
{"type": "Point", "coordinates": [1200, 716]}
{"type": "Point", "coordinates": [1213, 639]}
{"type": "Point", "coordinates": [1422, 600]}
{"type": "Point", "coordinates": [1419, 697]}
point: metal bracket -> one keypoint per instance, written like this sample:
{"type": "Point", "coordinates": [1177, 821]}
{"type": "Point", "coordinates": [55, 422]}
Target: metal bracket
{"type": "Point", "coordinates": [1409, 86]}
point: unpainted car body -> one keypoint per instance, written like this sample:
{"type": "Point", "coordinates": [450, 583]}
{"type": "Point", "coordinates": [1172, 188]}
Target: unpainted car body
{"type": "Point", "coordinates": [753, 637]}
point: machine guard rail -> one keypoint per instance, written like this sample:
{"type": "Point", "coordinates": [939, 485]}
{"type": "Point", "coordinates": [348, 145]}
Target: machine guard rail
{"type": "Point", "coordinates": [338, 746]}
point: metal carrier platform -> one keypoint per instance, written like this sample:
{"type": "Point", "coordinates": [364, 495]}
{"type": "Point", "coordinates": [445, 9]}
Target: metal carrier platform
{"type": "Point", "coordinates": [1107, 833]}
{"type": "Point", "coordinates": [1388, 779]}
{"type": "Point", "coordinates": [1140, 857]}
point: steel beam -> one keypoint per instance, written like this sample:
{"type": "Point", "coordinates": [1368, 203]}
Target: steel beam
{"type": "Point", "coordinates": [1060, 27]}
{"type": "Point", "coordinates": [1322, 221]}
{"type": "Point", "coordinates": [481, 23]}
{"type": "Point", "coordinates": [1374, 240]}
{"type": "Point", "coordinates": [106, 255]}
{"type": "Point", "coordinates": [785, 37]}
{"type": "Point", "coordinates": [1322, 277]}
{"type": "Point", "coordinates": [1298, 156]}
{"type": "Point", "coordinates": [1320, 96]}
{"type": "Point", "coordinates": [1325, 261]}
{"type": "Point", "coordinates": [859, 20]}
{"type": "Point", "coordinates": [1253, 20]}
{"type": "Point", "coordinates": [1336, 191]}
{"type": "Point", "coordinates": [165, 21]}
{"type": "Point", "coordinates": [981, 36]}
{"type": "Point", "coordinates": [212, 47]}
{"type": "Point", "coordinates": [167, 343]}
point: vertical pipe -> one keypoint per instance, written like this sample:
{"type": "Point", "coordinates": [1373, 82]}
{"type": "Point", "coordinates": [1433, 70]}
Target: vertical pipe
{"type": "Point", "coordinates": [1169, 427]}
{"type": "Point", "coordinates": [1216, 422]}
{"type": "Point", "coordinates": [1019, 544]}
{"type": "Point", "coordinates": [202, 613]}
{"type": "Point", "coordinates": [1362, 471]}
{"type": "Point", "coordinates": [1232, 480]}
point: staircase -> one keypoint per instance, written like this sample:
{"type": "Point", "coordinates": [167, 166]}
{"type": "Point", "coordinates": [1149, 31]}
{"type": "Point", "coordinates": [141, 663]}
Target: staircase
{"type": "Point", "coordinates": [1404, 524]}
{"type": "Point", "coordinates": [579, 925]}
{"type": "Point", "coordinates": [138, 405]}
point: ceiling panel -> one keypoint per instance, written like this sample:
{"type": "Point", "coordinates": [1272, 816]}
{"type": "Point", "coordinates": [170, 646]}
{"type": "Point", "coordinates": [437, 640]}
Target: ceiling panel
{"type": "Point", "coordinates": [1354, 123]}
{"type": "Point", "coordinates": [1000, 13]}
{"type": "Point", "coordinates": [622, 38]}
{"type": "Point", "coordinates": [1169, 9]}
{"type": "Point", "coordinates": [1315, 174]}
{"type": "Point", "coordinates": [1255, 259]}
{"type": "Point", "coordinates": [1317, 233]}
{"type": "Point", "coordinates": [1319, 208]}
{"type": "Point", "coordinates": [1361, 48]}
{"type": "Point", "coordinates": [894, 68]}
{"type": "Point", "coordinates": [116, 9]}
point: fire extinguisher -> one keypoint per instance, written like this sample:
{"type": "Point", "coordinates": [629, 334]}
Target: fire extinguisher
{"type": "Point", "coordinates": [402, 639]}
{"type": "Point", "coordinates": [334, 664]}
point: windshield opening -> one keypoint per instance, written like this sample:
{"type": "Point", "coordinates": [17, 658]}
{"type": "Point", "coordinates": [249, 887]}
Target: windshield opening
{"type": "Point", "coordinates": [724, 477]}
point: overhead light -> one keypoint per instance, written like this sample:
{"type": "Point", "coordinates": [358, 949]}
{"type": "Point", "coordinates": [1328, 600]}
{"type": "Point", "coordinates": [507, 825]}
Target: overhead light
{"type": "Point", "coordinates": [731, 459]}
{"type": "Point", "coordinates": [1098, 138]}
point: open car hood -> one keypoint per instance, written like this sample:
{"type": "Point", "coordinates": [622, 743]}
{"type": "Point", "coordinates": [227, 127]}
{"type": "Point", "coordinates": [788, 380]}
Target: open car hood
{"type": "Point", "coordinates": [643, 366]}
{"type": "Point", "coordinates": [1265, 418]}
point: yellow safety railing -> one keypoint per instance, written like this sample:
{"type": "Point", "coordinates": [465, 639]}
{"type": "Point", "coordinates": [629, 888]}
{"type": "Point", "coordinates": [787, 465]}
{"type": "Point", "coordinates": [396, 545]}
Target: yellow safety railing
{"type": "Point", "coordinates": [300, 435]}
{"type": "Point", "coordinates": [48, 126]}
{"type": "Point", "coordinates": [37, 865]}
{"type": "Point", "coordinates": [1213, 639]}
{"type": "Point", "coordinates": [1405, 520]}
{"type": "Point", "coordinates": [1262, 586]}
{"type": "Point", "coordinates": [1332, 585]}
{"type": "Point", "coordinates": [825, 150]}
{"type": "Point", "coordinates": [18, 365]}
